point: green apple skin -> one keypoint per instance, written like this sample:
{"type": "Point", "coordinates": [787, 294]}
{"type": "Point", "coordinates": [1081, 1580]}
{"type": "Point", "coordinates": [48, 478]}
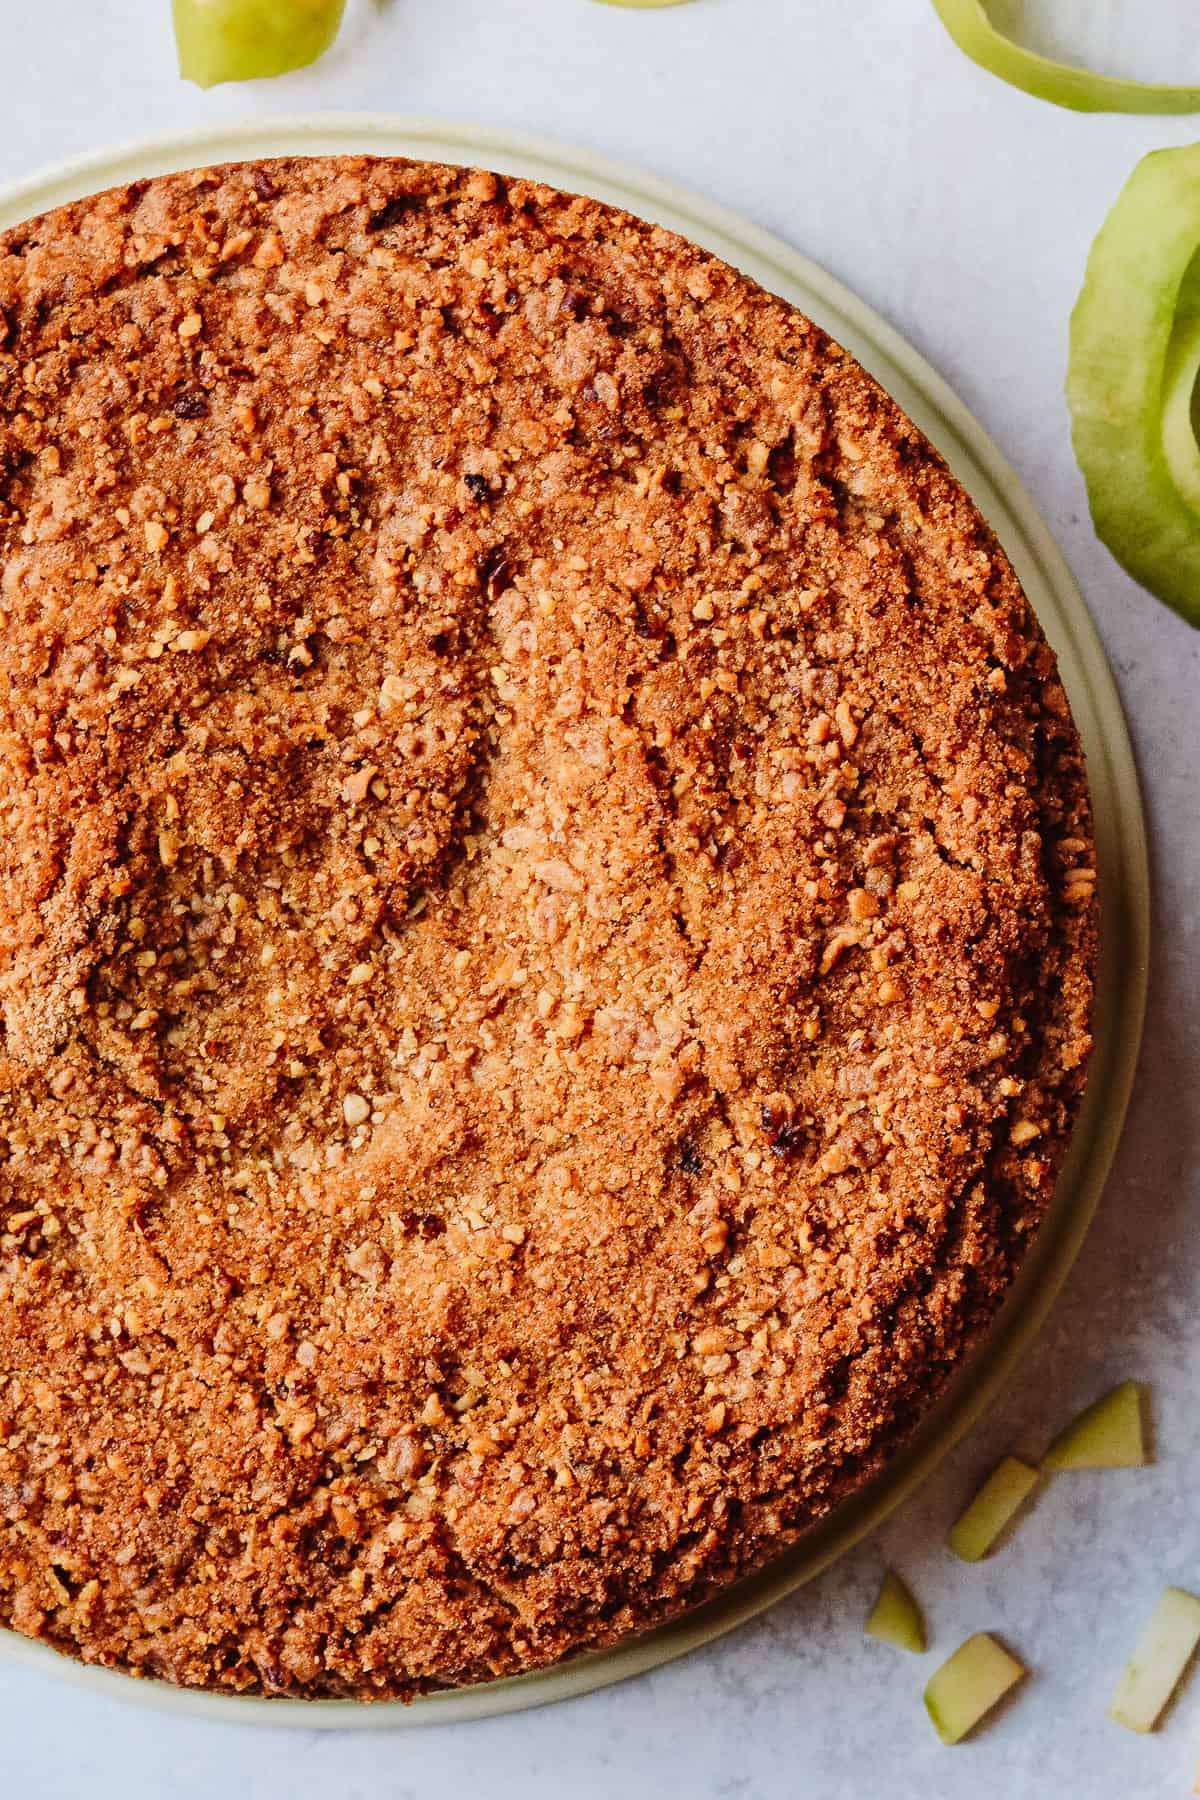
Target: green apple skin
{"type": "Point", "coordinates": [246, 40]}
{"type": "Point", "coordinates": [1062, 84]}
{"type": "Point", "coordinates": [1136, 292]}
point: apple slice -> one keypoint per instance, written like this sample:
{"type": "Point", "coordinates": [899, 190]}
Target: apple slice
{"type": "Point", "coordinates": [966, 1687]}
{"type": "Point", "coordinates": [244, 40]}
{"type": "Point", "coordinates": [1163, 1652]}
{"type": "Point", "coordinates": [895, 1617]}
{"type": "Point", "coordinates": [1006, 1488]}
{"type": "Point", "coordinates": [1108, 1435]}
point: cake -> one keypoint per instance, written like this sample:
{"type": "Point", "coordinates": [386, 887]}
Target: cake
{"type": "Point", "coordinates": [547, 926]}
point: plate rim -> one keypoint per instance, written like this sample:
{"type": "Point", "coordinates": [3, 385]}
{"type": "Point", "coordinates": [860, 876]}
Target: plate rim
{"type": "Point", "coordinates": [1124, 879]}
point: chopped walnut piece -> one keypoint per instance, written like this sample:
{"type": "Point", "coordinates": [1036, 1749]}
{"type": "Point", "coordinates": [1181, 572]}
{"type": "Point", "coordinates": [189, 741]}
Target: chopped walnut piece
{"type": "Point", "coordinates": [356, 787]}
{"type": "Point", "coordinates": [191, 640]}
{"type": "Point", "coordinates": [367, 1260]}
{"type": "Point", "coordinates": [839, 943]}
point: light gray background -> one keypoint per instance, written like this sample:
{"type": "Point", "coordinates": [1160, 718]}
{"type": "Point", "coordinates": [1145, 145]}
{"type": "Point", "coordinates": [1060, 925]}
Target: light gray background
{"type": "Point", "coordinates": [963, 211]}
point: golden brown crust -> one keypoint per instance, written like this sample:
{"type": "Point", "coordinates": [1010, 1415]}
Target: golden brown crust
{"type": "Point", "coordinates": [546, 926]}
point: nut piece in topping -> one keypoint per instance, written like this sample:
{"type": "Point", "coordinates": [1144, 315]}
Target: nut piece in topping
{"type": "Point", "coordinates": [355, 1109]}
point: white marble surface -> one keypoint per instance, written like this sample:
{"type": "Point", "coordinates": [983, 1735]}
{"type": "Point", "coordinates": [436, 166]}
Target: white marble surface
{"type": "Point", "coordinates": [963, 211]}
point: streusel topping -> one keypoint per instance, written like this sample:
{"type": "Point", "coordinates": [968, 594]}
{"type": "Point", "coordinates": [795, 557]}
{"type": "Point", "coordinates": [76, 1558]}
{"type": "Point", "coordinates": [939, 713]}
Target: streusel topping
{"type": "Point", "coordinates": [546, 926]}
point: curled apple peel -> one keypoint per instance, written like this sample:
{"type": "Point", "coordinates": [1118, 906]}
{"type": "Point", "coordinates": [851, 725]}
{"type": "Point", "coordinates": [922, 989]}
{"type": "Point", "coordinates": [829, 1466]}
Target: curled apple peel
{"type": "Point", "coordinates": [1133, 343]}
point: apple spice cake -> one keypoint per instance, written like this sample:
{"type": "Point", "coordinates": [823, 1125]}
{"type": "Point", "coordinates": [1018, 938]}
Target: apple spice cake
{"type": "Point", "coordinates": [546, 926]}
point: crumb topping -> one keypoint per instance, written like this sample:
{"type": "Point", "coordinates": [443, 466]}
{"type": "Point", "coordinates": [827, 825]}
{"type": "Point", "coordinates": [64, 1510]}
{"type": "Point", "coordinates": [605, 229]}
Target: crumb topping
{"type": "Point", "coordinates": [546, 926]}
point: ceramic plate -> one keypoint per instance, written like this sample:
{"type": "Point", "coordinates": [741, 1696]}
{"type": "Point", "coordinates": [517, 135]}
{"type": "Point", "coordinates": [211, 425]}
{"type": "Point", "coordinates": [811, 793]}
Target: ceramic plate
{"type": "Point", "coordinates": [1123, 877]}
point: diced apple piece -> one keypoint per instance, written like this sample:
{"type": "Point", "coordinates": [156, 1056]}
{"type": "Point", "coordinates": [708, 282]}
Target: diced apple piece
{"type": "Point", "coordinates": [1006, 1488]}
{"type": "Point", "coordinates": [895, 1617]}
{"type": "Point", "coordinates": [965, 1688]}
{"type": "Point", "coordinates": [1163, 1652]}
{"type": "Point", "coordinates": [1108, 1435]}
